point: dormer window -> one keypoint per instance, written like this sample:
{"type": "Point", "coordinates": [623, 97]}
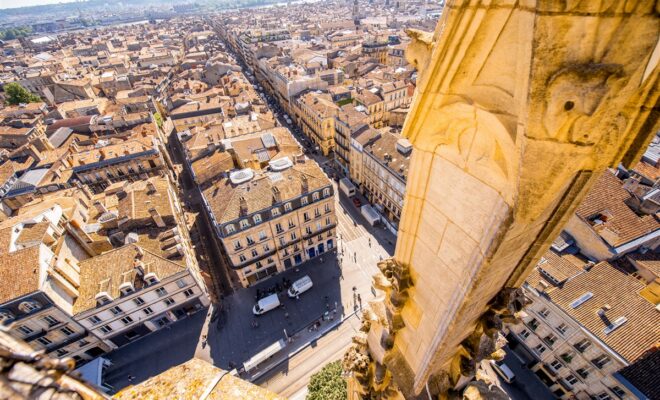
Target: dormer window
{"type": "Point", "coordinates": [275, 212]}
{"type": "Point", "coordinates": [29, 306]}
{"type": "Point", "coordinates": [257, 219]}
{"type": "Point", "coordinates": [126, 288]}
{"type": "Point", "coordinates": [287, 207]}
{"type": "Point", "coordinates": [230, 229]}
{"type": "Point", "coordinates": [6, 316]}
{"type": "Point", "coordinates": [303, 200]}
{"type": "Point", "coordinates": [103, 298]}
{"type": "Point", "coordinates": [315, 196]}
{"type": "Point", "coordinates": [244, 223]}
{"type": "Point", "coordinates": [326, 192]}
{"type": "Point", "coordinates": [151, 278]}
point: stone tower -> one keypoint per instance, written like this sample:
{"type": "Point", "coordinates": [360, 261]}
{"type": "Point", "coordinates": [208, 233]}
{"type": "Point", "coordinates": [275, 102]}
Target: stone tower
{"type": "Point", "coordinates": [356, 11]}
{"type": "Point", "coordinates": [520, 106]}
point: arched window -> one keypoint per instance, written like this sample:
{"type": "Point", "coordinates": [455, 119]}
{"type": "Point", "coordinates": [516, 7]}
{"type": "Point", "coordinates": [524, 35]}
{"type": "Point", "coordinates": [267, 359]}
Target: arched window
{"type": "Point", "coordinates": [29, 306]}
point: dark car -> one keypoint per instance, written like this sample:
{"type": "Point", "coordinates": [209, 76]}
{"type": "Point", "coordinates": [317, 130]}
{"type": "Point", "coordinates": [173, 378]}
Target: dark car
{"type": "Point", "coordinates": [357, 202]}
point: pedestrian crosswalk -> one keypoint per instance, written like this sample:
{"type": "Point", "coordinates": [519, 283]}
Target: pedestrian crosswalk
{"type": "Point", "coordinates": [346, 227]}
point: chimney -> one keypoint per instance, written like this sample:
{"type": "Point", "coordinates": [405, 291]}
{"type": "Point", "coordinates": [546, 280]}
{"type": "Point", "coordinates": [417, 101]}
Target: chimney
{"type": "Point", "coordinates": [243, 205]}
{"type": "Point", "coordinates": [157, 218]}
{"type": "Point", "coordinates": [605, 308]}
{"type": "Point", "coordinates": [304, 184]}
{"type": "Point", "coordinates": [151, 188]}
{"type": "Point", "coordinates": [277, 196]}
{"type": "Point", "coordinates": [100, 207]}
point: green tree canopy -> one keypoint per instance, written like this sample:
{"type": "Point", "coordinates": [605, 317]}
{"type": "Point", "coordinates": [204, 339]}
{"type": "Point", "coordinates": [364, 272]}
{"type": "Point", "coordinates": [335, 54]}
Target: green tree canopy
{"type": "Point", "coordinates": [327, 384]}
{"type": "Point", "coordinates": [16, 94]}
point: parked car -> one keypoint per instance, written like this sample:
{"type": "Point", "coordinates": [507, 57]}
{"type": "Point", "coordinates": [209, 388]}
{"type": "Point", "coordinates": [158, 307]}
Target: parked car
{"type": "Point", "coordinates": [503, 370]}
{"type": "Point", "coordinates": [266, 304]}
{"type": "Point", "coordinates": [357, 202]}
{"type": "Point", "coordinates": [300, 286]}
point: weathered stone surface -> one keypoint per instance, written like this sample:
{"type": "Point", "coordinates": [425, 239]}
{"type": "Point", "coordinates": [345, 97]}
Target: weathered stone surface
{"type": "Point", "coordinates": [519, 107]}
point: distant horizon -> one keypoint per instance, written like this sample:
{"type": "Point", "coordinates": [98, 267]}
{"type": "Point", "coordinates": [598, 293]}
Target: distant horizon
{"type": "Point", "coordinates": [8, 4]}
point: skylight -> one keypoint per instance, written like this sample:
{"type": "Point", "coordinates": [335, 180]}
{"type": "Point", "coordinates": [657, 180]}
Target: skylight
{"type": "Point", "coordinates": [611, 328]}
{"type": "Point", "coordinates": [579, 301]}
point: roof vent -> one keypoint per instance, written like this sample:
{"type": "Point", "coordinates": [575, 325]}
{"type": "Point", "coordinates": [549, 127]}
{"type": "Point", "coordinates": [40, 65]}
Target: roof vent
{"type": "Point", "coordinates": [280, 164]}
{"type": "Point", "coordinates": [614, 325]}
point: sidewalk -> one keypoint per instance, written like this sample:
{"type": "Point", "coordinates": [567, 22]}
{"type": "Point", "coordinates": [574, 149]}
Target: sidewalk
{"type": "Point", "coordinates": [297, 342]}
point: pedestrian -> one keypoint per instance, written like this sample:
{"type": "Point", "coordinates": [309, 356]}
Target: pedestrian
{"type": "Point", "coordinates": [369, 242]}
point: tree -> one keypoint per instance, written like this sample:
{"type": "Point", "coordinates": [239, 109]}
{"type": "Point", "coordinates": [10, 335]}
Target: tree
{"type": "Point", "coordinates": [16, 94]}
{"type": "Point", "coordinates": [327, 384]}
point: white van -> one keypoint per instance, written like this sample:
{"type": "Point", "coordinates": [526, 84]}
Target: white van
{"type": "Point", "coordinates": [266, 304]}
{"type": "Point", "coordinates": [300, 286]}
{"type": "Point", "coordinates": [503, 370]}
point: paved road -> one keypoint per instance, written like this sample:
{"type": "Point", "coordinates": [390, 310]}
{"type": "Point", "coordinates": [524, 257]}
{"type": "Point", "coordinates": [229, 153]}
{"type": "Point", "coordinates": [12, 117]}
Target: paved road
{"type": "Point", "coordinates": [290, 379]}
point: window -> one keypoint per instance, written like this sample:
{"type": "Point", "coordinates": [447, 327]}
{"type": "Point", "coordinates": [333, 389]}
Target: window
{"type": "Point", "coordinates": [62, 352]}
{"type": "Point", "coordinates": [257, 219]}
{"type": "Point", "coordinates": [262, 235]}
{"type": "Point", "coordinates": [306, 216]}
{"type": "Point", "coordinates": [556, 365]}
{"type": "Point", "coordinates": [106, 329]}
{"type": "Point", "coordinates": [237, 244]}
{"type": "Point", "coordinates": [540, 349]}
{"type": "Point", "coordinates": [94, 319]}
{"type": "Point", "coordinates": [181, 283]}
{"type": "Point", "coordinates": [169, 301]}
{"type": "Point", "coordinates": [51, 321]}
{"type": "Point", "coordinates": [266, 248]}
{"type": "Point", "coordinates": [550, 339]}
{"type": "Point", "coordinates": [533, 324]}
{"type": "Point", "coordinates": [327, 208]}
{"type": "Point", "coordinates": [293, 236]}
{"type": "Point", "coordinates": [67, 331]}
{"type": "Point", "coordinates": [308, 230]}
{"type": "Point", "coordinates": [188, 292]}
{"type": "Point", "coordinates": [25, 329]}
{"type": "Point", "coordinates": [82, 343]}
{"type": "Point", "coordinates": [304, 201]}
{"type": "Point", "coordinates": [161, 291]}
{"type": "Point", "coordinates": [582, 345]}
{"type": "Point", "coordinates": [116, 310]}
{"type": "Point", "coordinates": [562, 328]}
{"type": "Point", "coordinates": [230, 229]}
{"type": "Point", "coordinates": [148, 311]}
{"type": "Point", "coordinates": [317, 213]}
{"type": "Point", "coordinates": [287, 207]}
{"type": "Point", "coordinates": [249, 239]}
{"type": "Point", "coordinates": [524, 334]}
{"type": "Point", "coordinates": [138, 301]}
{"type": "Point", "coordinates": [315, 196]}
{"type": "Point", "coordinates": [278, 228]}
{"type": "Point", "coordinates": [583, 372]}
{"type": "Point", "coordinates": [275, 212]}
{"type": "Point", "coordinates": [44, 341]}
{"type": "Point", "coordinates": [29, 306]}
{"type": "Point", "coordinates": [241, 258]}
{"type": "Point", "coordinates": [254, 253]}
{"type": "Point", "coordinates": [618, 391]}
{"type": "Point", "coordinates": [282, 241]}
{"type": "Point", "coordinates": [326, 192]}
{"type": "Point", "coordinates": [127, 320]}
{"type": "Point", "coordinates": [603, 396]}
{"type": "Point", "coordinates": [601, 361]}
{"type": "Point", "coordinates": [567, 357]}
{"type": "Point", "coordinates": [328, 221]}
{"type": "Point", "coordinates": [571, 379]}
{"type": "Point", "coordinates": [258, 264]}
{"type": "Point", "coordinates": [544, 313]}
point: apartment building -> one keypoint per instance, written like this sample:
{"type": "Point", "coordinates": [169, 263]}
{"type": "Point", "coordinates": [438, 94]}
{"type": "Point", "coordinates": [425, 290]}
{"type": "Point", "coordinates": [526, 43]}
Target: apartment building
{"type": "Point", "coordinates": [273, 209]}
{"type": "Point", "coordinates": [586, 322]}
{"type": "Point", "coordinates": [315, 113]}
{"type": "Point", "coordinates": [348, 122]}
{"type": "Point", "coordinates": [130, 291]}
{"type": "Point", "coordinates": [379, 167]}
{"type": "Point", "coordinates": [616, 217]}
{"type": "Point", "coordinates": [38, 268]}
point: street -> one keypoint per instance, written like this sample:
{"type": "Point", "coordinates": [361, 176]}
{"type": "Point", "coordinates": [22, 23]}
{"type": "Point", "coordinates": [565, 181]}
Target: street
{"type": "Point", "coordinates": [232, 339]}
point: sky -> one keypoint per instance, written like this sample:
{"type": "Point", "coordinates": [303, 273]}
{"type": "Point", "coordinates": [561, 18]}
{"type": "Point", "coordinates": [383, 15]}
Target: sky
{"type": "Point", "coordinates": [27, 3]}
